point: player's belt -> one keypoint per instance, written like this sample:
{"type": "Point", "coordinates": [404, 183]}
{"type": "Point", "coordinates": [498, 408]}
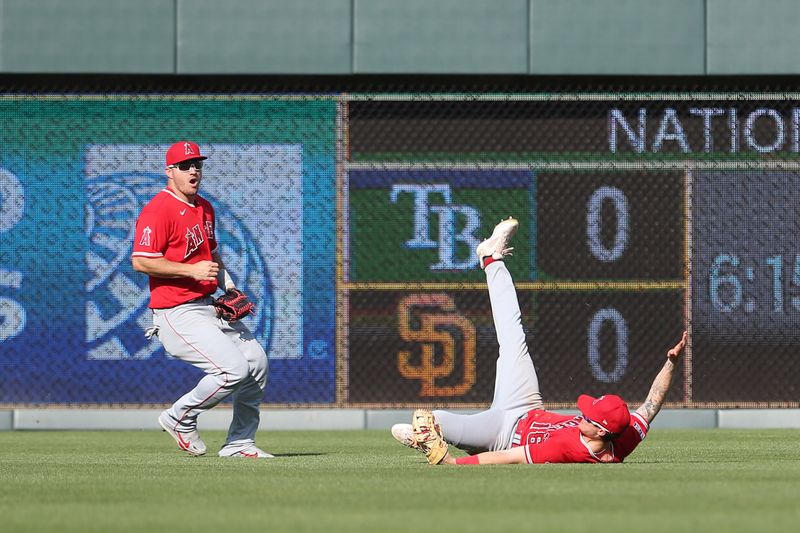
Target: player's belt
{"type": "Point", "coordinates": [516, 438]}
{"type": "Point", "coordinates": [192, 301]}
{"type": "Point", "coordinates": [196, 300]}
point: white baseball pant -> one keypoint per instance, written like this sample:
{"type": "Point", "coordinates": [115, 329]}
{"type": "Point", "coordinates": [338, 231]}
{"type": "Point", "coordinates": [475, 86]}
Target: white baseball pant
{"type": "Point", "coordinates": [516, 387]}
{"type": "Point", "coordinates": [233, 360]}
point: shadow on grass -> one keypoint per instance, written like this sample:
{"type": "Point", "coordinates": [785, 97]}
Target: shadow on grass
{"type": "Point", "coordinates": [310, 454]}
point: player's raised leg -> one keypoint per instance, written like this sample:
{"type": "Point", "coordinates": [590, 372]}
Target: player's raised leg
{"type": "Point", "coordinates": [516, 383]}
{"type": "Point", "coordinates": [516, 388]}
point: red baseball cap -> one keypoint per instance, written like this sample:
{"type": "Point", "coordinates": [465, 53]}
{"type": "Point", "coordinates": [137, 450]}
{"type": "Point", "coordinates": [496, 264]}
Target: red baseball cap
{"type": "Point", "coordinates": [183, 151]}
{"type": "Point", "coordinates": [609, 411]}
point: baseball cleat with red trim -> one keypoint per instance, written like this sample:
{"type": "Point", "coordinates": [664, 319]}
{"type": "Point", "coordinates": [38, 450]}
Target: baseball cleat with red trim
{"type": "Point", "coordinates": [247, 449]}
{"type": "Point", "coordinates": [404, 434]}
{"type": "Point", "coordinates": [188, 441]}
{"type": "Point", "coordinates": [496, 246]}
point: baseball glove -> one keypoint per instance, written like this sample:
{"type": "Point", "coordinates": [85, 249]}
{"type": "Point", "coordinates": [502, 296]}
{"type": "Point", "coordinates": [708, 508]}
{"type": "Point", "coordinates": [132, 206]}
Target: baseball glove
{"type": "Point", "coordinates": [233, 305]}
{"type": "Point", "coordinates": [429, 436]}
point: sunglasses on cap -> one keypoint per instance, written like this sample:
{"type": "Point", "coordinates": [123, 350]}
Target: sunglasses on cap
{"type": "Point", "coordinates": [595, 424]}
{"type": "Point", "coordinates": [186, 165]}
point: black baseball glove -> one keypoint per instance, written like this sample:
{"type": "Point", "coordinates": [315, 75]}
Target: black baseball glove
{"type": "Point", "coordinates": [233, 305]}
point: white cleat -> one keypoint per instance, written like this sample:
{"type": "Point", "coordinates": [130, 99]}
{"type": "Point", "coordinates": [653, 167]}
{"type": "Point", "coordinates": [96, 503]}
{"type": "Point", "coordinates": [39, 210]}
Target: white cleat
{"type": "Point", "coordinates": [404, 434]}
{"type": "Point", "coordinates": [244, 449]}
{"type": "Point", "coordinates": [496, 246]}
{"type": "Point", "coordinates": [188, 441]}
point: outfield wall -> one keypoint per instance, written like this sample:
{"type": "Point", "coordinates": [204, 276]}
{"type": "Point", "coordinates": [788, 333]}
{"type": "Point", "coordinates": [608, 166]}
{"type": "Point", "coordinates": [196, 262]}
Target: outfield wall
{"type": "Point", "coordinates": [355, 419]}
{"type": "Point", "coordinates": [351, 220]}
{"type": "Point", "coordinates": [414, 36]}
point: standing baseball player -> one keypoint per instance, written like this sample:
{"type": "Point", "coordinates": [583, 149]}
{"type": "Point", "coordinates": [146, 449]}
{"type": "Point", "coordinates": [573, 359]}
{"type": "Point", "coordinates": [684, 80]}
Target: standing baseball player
{"type": "Point", "coordinates": [175, 245]}
{"type": "Point", "coordinates": [516, 428]}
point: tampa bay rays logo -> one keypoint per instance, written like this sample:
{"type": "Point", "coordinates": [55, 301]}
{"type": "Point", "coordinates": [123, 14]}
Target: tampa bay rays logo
{"type": "Point", "coordinates": [117, 297]}
{"type": "Point", "coordinates": [448, 215]}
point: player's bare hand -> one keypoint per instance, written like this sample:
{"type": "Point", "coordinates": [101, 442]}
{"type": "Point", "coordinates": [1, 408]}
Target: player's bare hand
{"type": "Point", "coordinates": [675, 353]}
{"type": "Point", "coordinates": [204, 270]}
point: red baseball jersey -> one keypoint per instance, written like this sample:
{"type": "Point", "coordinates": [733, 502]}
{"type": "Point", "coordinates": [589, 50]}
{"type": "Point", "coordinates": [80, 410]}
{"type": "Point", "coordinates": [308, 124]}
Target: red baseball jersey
{"type": "Point", "coordinates": [553, 438]}
{"type": "Point", "coordinates": [176, 230]}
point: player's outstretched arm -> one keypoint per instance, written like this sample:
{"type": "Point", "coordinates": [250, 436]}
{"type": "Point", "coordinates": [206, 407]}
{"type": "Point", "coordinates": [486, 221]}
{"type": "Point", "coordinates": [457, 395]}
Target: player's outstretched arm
{"type": "Point", "coordinates": [658, 391]}
{"type": "Point", "coordinates": [512, 456]}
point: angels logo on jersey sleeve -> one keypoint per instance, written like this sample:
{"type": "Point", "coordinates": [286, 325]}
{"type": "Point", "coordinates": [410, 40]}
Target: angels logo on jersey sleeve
{"type": "Point", "coordinates": [147, 237]}
{"type": "Point", "coordinates": [145, 240]}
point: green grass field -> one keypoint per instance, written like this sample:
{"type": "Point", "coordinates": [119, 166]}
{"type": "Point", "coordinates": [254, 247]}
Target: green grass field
{"type": "Point", "coordinates": [684, 480]}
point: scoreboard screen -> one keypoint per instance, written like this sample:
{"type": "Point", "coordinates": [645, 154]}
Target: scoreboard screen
{"type": "Point", "coordinates": [640, 216]}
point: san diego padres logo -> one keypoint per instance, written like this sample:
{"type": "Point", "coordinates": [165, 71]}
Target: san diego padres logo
{"type": "Point", "coordinates": [436, 328]}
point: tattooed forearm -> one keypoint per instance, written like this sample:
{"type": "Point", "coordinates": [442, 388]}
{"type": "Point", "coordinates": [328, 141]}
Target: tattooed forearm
{"type": "Point", "coordinates": [658, 392]}
{"type": "Point", "coordinates": [648, 410]}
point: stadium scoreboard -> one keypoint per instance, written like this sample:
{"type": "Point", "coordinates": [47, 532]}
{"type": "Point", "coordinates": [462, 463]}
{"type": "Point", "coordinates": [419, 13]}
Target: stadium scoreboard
{"type": "Point", "coordinates": [641, 216]}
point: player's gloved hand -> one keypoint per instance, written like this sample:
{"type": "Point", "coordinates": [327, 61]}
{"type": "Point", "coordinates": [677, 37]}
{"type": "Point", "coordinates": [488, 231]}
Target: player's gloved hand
{"type": "Point", "coordinates": [233, 305]}
{"type": "Point", "coordinates": [429, 436]}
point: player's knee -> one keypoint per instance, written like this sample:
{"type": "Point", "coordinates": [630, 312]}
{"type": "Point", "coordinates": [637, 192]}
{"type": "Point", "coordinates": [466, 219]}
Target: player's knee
{"type": "Point", "coordinates": [258, 367]}
{"type": "Point", "coordinates": [237, 373]}
{"type": "Point", "coordinates": [257, 361]}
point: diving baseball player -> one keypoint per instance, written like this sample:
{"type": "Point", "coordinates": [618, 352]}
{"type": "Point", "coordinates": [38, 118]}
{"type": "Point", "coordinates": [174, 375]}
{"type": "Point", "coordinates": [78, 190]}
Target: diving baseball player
{"type": "Point", "coordinates": [175, 245]}
{"type": "Point", "coordinates": [516, 428]}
